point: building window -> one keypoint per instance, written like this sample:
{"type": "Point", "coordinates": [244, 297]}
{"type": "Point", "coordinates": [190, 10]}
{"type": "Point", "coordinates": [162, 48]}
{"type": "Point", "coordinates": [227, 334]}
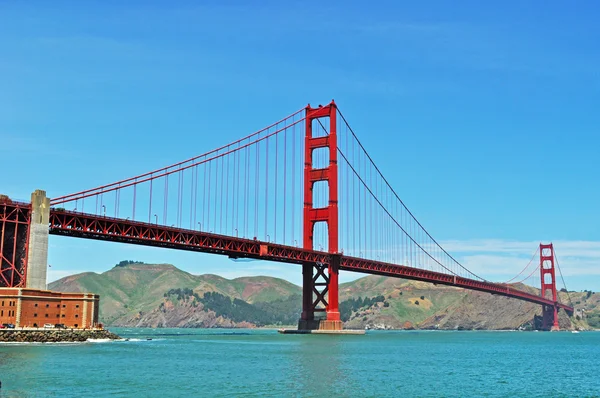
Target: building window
{"type": "Point", "coordinates": [58, 315]}
{"type": "Point", "coordinates": [35, 305]}
{"type": "Point", "coordinates": [47, 305]}
{"type": "Point", "coordinates": [64, 306]}
{"type": "Point", "coordinates": [77, 306]}
{"type": "Point", "coordinates": [63, 315]}
{"type": "Point", "coordinates": [76, 316]}
{"type": "Point", "coordinates": [76, 325]}
{"type": "Point", "coordinates": [1, 312]}
{"type": "Point", "coordinates": [57, 305]}
{"type": "Point", "coordinates": [3, 303]}
{"type": "Point", "coordinates": [35, 315]}
{"type": "Point", "coordinates": [46, 315]}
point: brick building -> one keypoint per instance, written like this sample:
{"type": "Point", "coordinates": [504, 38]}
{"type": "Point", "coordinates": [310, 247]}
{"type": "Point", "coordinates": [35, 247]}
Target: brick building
{"type": "Point", "coordinates": [25, 307]}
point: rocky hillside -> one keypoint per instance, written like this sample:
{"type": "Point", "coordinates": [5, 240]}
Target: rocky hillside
{"type": "Point", "coordinates": [160, 295]}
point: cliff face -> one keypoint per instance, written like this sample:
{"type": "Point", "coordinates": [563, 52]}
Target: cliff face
{"type": "Point", "coordinates": [181, 315]}
{"type": "Point", "coordinates": [161, 295]}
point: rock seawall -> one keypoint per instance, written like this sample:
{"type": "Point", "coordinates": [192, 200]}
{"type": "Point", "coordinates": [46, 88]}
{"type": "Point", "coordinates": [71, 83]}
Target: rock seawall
{"type": "Point", "coordinates": [54, 335]}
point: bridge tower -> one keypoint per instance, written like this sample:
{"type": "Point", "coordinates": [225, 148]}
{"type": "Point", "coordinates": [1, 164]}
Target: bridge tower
{"type": "Point", "coordinates": [320, 281]}
{"type": "Point", "coordinates": [548, 282]}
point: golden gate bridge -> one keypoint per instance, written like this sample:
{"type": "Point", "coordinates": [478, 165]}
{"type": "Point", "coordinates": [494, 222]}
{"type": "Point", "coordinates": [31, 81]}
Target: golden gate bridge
{"type": "Point", "coordinates": [303, 190]}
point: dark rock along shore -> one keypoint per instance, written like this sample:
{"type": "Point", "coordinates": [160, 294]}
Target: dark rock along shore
{"type": "Point", "coordinates": [54, 336]}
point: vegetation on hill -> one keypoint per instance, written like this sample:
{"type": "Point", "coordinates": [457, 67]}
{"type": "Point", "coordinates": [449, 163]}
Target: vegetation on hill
{"type": "Point", "coordinates": [125, 263]}
{"type": "Point", "coordinates": [347, 307]}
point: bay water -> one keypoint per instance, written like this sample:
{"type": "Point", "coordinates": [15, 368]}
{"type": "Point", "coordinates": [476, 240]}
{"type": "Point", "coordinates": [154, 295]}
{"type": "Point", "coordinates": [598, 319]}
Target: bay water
{"type": "Point", "coordinates": [254, 363]}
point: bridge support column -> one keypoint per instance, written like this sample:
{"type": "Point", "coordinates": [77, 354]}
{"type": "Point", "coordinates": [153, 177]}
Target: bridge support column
{"type": "Point", "coordinates": [37, 262]}
{"type": "Point", "coordinates": [320, 281]}
{"type": "Point", "coordinates": [548, 281]}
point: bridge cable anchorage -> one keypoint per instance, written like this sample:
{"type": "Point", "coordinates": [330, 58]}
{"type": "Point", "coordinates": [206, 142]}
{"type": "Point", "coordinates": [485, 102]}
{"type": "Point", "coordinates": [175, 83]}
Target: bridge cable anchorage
{"type": "Point", "coordinates": [527, 266]}
{"type": "Point", "coordinates": [395, 194]}
{"type": "Point", "coordinates": [563, 279]}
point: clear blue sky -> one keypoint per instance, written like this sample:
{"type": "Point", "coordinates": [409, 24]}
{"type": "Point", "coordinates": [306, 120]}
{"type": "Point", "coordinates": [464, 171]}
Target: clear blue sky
{"type": "Point", "coordinates": [483, 116]}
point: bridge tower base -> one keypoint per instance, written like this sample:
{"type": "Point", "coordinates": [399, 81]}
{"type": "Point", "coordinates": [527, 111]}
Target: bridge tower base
{"type": "Point", "coordinates": [320, 281]}
{"type": "Point", "coordinates": [548, 290]}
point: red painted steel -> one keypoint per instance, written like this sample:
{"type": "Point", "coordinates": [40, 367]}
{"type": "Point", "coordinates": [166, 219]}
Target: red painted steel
{"type": "Point", "coordinates": [14, 242]}
{"type": "Point", "coordinates": [329, 215]}
{"type": "Point", "coordinates": [550, 313]}
{"type": "Point", "coordinates": [91, 226]}
{"type": "Point", "coordinates": [82, 225]}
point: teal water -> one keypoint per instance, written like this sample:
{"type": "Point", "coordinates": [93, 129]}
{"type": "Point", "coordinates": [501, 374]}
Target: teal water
{"type": "Point", "coordinates": [248, 363]}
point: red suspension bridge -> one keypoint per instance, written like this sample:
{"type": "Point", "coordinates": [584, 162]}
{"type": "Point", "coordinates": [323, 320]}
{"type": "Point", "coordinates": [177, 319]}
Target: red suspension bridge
{"type": "Point", "coordinates": [303, 190]}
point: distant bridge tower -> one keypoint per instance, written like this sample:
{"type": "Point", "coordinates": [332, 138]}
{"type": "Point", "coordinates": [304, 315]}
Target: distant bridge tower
{"type": "Point", "coordinates": [548, 281]}
{"type": "Point", "coordinates": [320, 289]}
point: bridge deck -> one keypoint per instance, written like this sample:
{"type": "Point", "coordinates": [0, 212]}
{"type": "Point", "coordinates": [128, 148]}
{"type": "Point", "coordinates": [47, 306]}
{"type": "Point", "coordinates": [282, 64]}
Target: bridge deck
{"type": "Point", "coordinates": [90, 226]}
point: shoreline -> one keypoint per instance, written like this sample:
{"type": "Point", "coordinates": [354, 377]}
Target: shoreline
{"type": "Point", "coordinates": [55, 335]}
{"type": "Point", "coordinates": [368, 330]}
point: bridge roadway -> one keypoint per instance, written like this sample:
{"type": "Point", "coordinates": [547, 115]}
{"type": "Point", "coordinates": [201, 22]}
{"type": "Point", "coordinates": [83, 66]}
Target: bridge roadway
{"type": "Point", "coordinates": [90, 226]}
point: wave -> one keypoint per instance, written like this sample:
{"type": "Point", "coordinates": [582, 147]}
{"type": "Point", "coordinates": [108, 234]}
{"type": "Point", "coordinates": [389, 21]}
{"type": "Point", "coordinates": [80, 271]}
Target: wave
{"type": "Point", "coordinates": [99, 340]}
{"type": "Point", "coordinates": [136, 340]}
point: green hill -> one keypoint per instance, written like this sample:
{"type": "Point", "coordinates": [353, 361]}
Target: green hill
{"type": "Point", "coordinates": [128, 290]}
{"type": "Point", "coordinates": [136, 294]}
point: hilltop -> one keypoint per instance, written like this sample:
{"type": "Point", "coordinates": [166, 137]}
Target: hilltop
{"type": "Point", "coordinates": [161, 295]}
